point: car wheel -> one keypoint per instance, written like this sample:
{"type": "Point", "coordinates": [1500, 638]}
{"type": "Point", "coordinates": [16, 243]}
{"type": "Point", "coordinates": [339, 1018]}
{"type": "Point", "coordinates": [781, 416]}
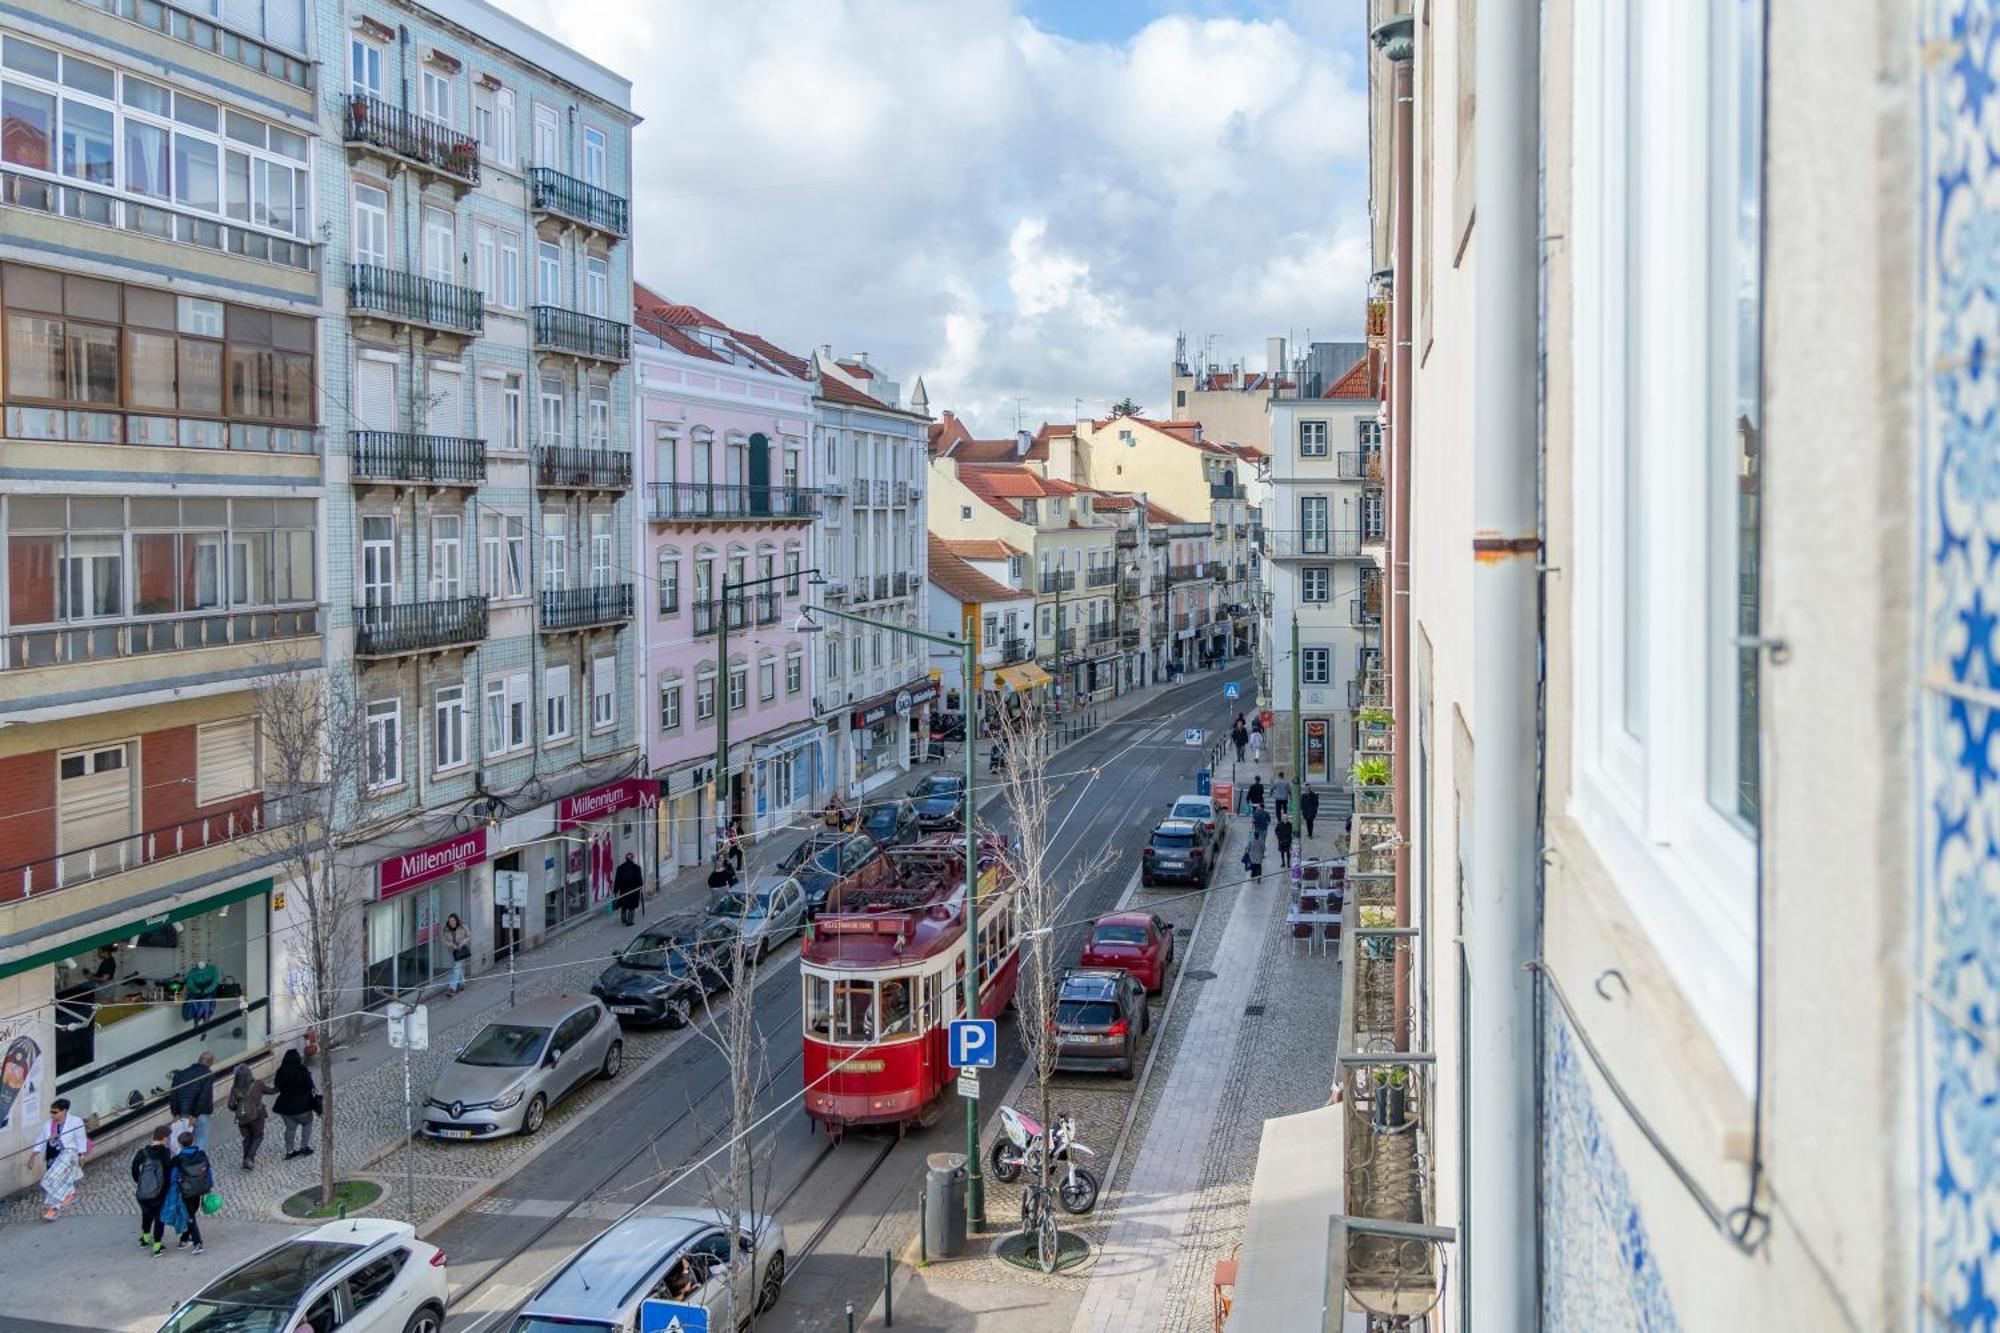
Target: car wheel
{"type": "Point", "coordinates": [774, 1282]}
{"type": "Point", "coordinates": [1126, 1070]}
{"type": "Point", "coordinates": [614, 1060]}
{"type": "Point", "coordinates": [430, 1319]}
{"type": "Point", "coordinates": [678, 1014]}
{"type": "Point", "coordinates": [763, 947]}
{"type": "Point", "coordinates": [1145, 881]}
{"type": "Point", "coordinates": [537, 1112]}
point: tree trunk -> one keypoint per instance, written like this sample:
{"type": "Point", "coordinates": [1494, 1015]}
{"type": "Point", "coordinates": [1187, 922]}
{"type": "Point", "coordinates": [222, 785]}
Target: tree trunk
{"type": "Point", "coordinates": [325, 1118]}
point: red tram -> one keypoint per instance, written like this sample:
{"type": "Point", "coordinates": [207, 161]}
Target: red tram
{"type": "Point", "coordinates": [883, 972]}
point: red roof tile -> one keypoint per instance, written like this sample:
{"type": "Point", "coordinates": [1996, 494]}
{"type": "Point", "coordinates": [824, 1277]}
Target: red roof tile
{"type": "Point", "coordinates": [671, 322]}
{"type": "Point", "coordinates": [962, 581]}
{"type": "Point", "coordinates": [980, 548]}
{"type": "Point", "coordinates": [1358, 381]}
{"type": "Point", "coordinates": [856, 369]}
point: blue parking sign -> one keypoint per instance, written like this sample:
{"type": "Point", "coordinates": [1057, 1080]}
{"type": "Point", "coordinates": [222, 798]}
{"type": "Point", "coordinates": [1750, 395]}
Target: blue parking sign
{"type": "Point", "coordinates": [974, 1043]}
{"type": "Point", "coordinates": [671, 1317]}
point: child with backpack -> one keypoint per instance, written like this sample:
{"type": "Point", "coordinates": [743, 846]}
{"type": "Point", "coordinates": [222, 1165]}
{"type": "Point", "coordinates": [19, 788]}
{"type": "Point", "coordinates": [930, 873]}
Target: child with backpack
{"type": "Point", "coordinates": [193, 1180]}
{"type": "Point", "coordinates": [152, 1168]}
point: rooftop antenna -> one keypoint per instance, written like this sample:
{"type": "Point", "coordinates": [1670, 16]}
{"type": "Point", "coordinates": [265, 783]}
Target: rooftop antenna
{"type": "Point", "coordinates": [1019, 403]}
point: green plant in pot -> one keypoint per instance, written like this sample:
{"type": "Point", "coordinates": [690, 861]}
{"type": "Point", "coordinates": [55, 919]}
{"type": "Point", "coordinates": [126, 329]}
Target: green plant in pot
{"type": "Point", "coordinates": [1390, 1109]}
{"type": "Point", "coordinates": [1372, 772]}
{"type": "Point", "coordinates": [1375, 717]}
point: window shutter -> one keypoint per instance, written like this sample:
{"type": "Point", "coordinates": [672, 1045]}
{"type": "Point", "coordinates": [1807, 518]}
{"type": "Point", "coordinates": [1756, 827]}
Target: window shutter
{"type": "Point", "coordinates": [604, 681]}
{"type": "Point", "coordinates": [447, 401]}
{"type": "Point", "coordinates": [246, 16]}
{"type": "Point", "coordinates": [375, 395]}
{"type": "Point", "coordinates": [492, 413]}
{"type": "Point", "coordinates": [225, 760]}
{"type": "Point", "coordinates": [285, 23]}
{"type": "Point", "coordinates": [96, 808]}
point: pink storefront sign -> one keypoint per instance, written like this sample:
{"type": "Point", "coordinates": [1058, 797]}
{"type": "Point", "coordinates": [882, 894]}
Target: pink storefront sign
{"type": "Point", "coordinates": [410, 869]}
{"type": "Point", "coordinates": [626, 794]}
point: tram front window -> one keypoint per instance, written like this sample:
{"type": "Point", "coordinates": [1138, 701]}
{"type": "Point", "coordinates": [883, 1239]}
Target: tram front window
{"type": "Point", "coordinates": [895, 1006]}
{"type": "Point", "coordinates": [819, 1006]}
{"type": "Point", "coordinates": [854, 1010]}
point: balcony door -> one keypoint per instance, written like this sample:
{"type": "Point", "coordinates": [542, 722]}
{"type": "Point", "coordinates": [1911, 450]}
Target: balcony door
{"type": "Point", "coordinates": [440, 246]}
{"type": "Point", "coordinates": [96, 812]}
{"type": "Point", "coordinates": [548, 139]}
{"type": "Point", "coordinates": [378, 566]}
{"type": "Point", "coordinates": [760, 474]}
{"type": "Point", "coordinates": [371, 225]}
{"type": "Point", "coordinates": [1312, 524]}
{"type": "Point", "coordinates": [447, 556]}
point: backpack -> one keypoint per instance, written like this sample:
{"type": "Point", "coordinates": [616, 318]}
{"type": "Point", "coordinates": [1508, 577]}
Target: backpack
{"type": "Point", "coordinates": [196, 1178]}
{"type": "Point", "coordinates": [152, 1181]}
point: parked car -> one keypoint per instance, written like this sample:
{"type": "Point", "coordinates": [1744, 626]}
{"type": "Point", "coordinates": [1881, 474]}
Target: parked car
{"type": "Point", "coordinates": [666, 970]}
{"type": "Point", "coordinates": [360, 1275]}
{"type": "Point", "coordinates": [1203, 810]}
{"type": "Point", "coordinates": [507, 1077]}
{"type": "Point", "coordinates": [768, 913]}
{"type": "Point", "coordinates": [1100, 1017]}
{"type": "Point", "coordinates": [816, 845]}
{"type": "Point", "coordinates": [834, 862]}
{"type": "Point", "coordinates": [939, 802]}
{"type": "Point", "coordinates": [948, 727]}
{"type": "Point", "coordinates": [890, 823]}
{"type": "Point", "coordinates": [1178, 850]}
{"type": "Point", "coordinates": [1139, 942]}
{"type": "Point", "coordinates": [654, 1258]}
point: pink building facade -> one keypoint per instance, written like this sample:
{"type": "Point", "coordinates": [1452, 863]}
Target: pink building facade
{"type": "Point", "coordinates": [723, 422]}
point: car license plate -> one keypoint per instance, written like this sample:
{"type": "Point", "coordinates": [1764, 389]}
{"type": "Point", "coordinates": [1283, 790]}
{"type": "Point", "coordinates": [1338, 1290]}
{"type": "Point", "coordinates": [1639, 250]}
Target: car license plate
{"type": "Point", "coordinates": [624, 1008]}
{"type": "Point", "coordinates": [1086, 1038]}
{"type": "Point", "coordinates": [454, 1133]}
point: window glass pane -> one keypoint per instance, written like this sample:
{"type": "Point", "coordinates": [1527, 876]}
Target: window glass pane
{"type": "Point", "coordinates": [29, 58]}
{"type": "Point", "coordinates": [236, 186]}
{"type": "Point", "coordinates": [82, 75]}
{"type": "Point", "coordinates": [31, 576]}
{"type": "Point", "coordinates": [30, 120]}
{"type": "Point", "coordinates": [195, 112]}
{"type": "Point", "coordinates": [93, 364]}
{"type": "Point", "coordinates": [149, 361]}
{"type": "Point", "coordinates": [146, 96]}
{"type": "Point", "coordinates": [34, 357]}
{"type": "Point", "coordinates": [201, 376]}
{"type": "Point", "coordinates": [1633, 499]}
{"type": "Point", "coordinates": [145, 158]}
{"type": "Point", "coordinates": [86, 143]}
{"type": "Point", "coordinates": [244, 129]}
{"type": "Point", "coordinates": [196, 173]}
{"type": "Point", "coordinates": [157, 591]}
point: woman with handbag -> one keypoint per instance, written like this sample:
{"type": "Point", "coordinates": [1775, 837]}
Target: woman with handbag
{"type": "Point", "coordinates": [298, 1101]}
{"type": "Point", "coordinates": [459, 940]}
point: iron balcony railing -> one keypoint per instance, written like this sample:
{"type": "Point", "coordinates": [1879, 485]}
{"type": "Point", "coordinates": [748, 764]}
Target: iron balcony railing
{"type": "Point", "coordinates": [1102, 576]}
{"type": "Point", "coordinates": [82, 865]}
{"type": "Point", "coordinates": [902, 582]}
{"type": "Point", "coordinates": [706, 613]}
{"type": "Point", "coordinates": [580, 608]}
{"type": "Point", "coordinates": [1299, 544]}
{"type": "Point", "coordinates": [1373, 528]}
{"type": "Point", "coordinates": [700, 501]}
{"type": "Point", "coordinates": [1066, 640]}
{"type": "Point", "coordinates": [1349, 464]}
{"type": "Point", "coordinates": [1129, 586]}
{"type": "Point", "coordinates": [414, 138]}
{"type": "Point", "coordinates": [574, 333]}
{"type": "Point", "coordinates": [1225, 490]}
{"type": "Point", "coordinates": [881, 586]}
{"type": "Point", "coordinates": [579, 201]}
{"type": "Point", "coordinates": [767, 606]}
{"type": "Point", "coordinates": [1187, 573]}
{"type": "Point", "coordinates": [1127, 537]}
{"type": "Point", "coordinates": [1058, 580]}
{"type": "Point", "coordinates": [416, 627]}
{"type": "Point", "coordinates": [388, 455]}
{"type": "Point", "coordinates": [902, 493]}
{"type": "Point", "coordinates": [391, 294]}
{"type": "Point", "coordinates": [882, 493]}
{"type": "Point", "coordinates": [583, 469]}
{"type": "Point", "coordinates": [1128, 638]}
{"type": "Point", "coordinates": [1101, 631]}
{"type": "Point", "coordinates": [1015, 650]}
{"type": "Point", "coordinates": [69, 645]}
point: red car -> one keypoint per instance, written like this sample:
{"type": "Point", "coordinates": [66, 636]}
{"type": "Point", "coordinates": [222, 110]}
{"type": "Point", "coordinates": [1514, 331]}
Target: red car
{"type": "Point", "coordinates": [1139, 942]}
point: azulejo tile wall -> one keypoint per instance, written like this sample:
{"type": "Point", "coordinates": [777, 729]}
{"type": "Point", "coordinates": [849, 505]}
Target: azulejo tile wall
{"type": "Point", "coordinates": [1957, 961]}
{"type": "Point", "coordinates": [1598, 1266]}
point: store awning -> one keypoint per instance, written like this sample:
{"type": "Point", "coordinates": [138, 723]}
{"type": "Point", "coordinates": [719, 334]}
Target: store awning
{"type": "Point", "coordinates": [1022, 676]}
{"type": "Point", "coordinates": [1281, 1272]}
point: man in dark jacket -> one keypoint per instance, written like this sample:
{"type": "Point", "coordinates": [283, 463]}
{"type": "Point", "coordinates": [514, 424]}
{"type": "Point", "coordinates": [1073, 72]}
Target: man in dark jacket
{"type": "Point", "coordinates": [1256, 792]}
{"type": "Point", "coordinates": [627, 886]}
{"type": "Point", "coordinates": [1308, 808]}
{"type": "Point", "coordinates": [152, 1167]}
{"type": "Point", "coordinates": [192, 1094]}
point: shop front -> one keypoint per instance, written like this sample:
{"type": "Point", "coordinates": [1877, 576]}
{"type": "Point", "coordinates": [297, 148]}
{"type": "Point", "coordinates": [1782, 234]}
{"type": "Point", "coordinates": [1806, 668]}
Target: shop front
{"type": "Point", "coordinates": [416, 892]}
{"type": "Point", "coordinates": [106, 1018]}
{"type": "Point", "coordinates": [595, 830]}
{"type": "Point", "coordinates": [1318, 749]}
{"type": "Point", "coordinates": [1013, 688]}
{"type": "Point", "coordinates": [683, 825]}
{"type": "Point", "coordinates": [878, 735]}
{"type": "Point", "coordinates": [786, 776]}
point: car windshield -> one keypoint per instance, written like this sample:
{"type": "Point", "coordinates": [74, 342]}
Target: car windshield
{"type": "Point", "coordinates": [656, 952]}
{"type": "Point", "coordinates": [530, 1323]}
{"type": "Point", "coordinates": [937, 786]}
{"type": "Point", "coordinates": [504, 1046]}
{"type": "Point", "coordinates": [1173, 841]}
{"type": "Point", "coordinates": [1086, 1014]}
{"type": "Point", "coordinates": [732, 906]}
{"type": "Point", "coordinates": [1119, 935]}
{"type": "Point", "coordinates": [202, 1315]}
{"type": "Point", "coordinates": [268, 1285]}
{"type": "Point", "coordinates": [1191, 810]}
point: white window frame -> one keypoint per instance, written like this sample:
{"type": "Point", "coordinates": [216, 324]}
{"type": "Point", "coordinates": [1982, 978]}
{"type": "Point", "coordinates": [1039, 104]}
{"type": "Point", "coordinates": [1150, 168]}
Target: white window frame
{"type": "Point", "coordinates": [548, 273]}
{"type": "Point", "coordinates": [449, 749]}
{"type": "Point", "coordinates": [603, 692]}
{"type": "Point", "coordinates": [370, 221]}
{"type": "Point", "coordinates": [520, 731]}
{"type": "Point", "coordinates": [597, 286]}
{"type": "Point", "coordinates": [557, 724]}
{"type": "Point", "coordinates": [795, 671]}
{"type": "Point", "coordinates": [364, 59]}
{"type": "Point", "coordinates": [485, 262]}
{"type": "Point", "coordinates": [509, 295]}
{"type": "Point", "coordinates": [1686, 871]}
{"type": "Point", "coordinates": [596, 157]}
{"type": "Point", "coordinates": [1313, 439]}
{"type": "Point", "coordinates": [767, 680]}
{"type": "Point", "coordinates": [434, 95]}
{"type": "Point", "coordinates": [704, 697]}
{"type": "Point", "coordinates": [671, 703]}
{"type": "Point", "coordinates": [493, 717]}
{"type": "Point", "coordinates": [507, 125]}
{"type": "Point", "coordinates": [383, 767]}
{"type": "Point", "coordinates": [739, 688]}
{"type": "Point", "coordinates": [447, 556]}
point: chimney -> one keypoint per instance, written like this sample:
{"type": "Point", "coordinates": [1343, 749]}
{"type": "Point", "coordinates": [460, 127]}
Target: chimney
{"type": "Point", "coordinates": [1274, 356]}
{"type": "Point", "coordinates": [1022, 440]}
{"type": "Point", "coordinates": [862, 358]}
{"type": "Point", "coordinates": [826, 352]}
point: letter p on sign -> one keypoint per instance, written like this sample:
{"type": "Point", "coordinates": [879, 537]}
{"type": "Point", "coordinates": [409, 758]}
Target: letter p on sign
{"type": "Point", "coordinates": [975, 1043]}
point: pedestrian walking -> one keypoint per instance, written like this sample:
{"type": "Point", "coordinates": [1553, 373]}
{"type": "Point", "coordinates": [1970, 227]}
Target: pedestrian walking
{"type": "Point", "coordinates": [152, 1168]}
{"type": "Point", "coordinates": [1281, 791]}
{"type": "Point", "coordinates": [62, 1146]}
{"type": "Point", "coordinates": [458, 939]}
{"type": "Point", "coordinates": [1260, 823]}
{"type": "Point", "coordinates": [732, 851]}
{"type": "Point", "coordinates": [1256, 740]}
{"type": "Point", "coordinates": [1284, 831]}
{"type": "Point", "coordinates": [1253, 858]}
{"type": "Point", "coordinates": [723, 875]}
{"type": "Point", "coordinates": [246, 1101]}
{"type": "Point", "coordinates": [192, 1094]}
{"type": "Point", "coordinates": [1308, 807]}
{"type": "Point", "coordinates": [1256, 793]}
{"type": "Point", "coordinates": [628, 887]}
{"type": "Point", "coordinates": [1239, 736]}
{"type": "Point", "coordinates": [193, 1180]}
{"type": "Point", "coordinates": [297, 1103]}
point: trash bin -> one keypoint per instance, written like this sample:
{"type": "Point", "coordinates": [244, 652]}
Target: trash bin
{"type": "Point", "coordinates": [944, 1205]}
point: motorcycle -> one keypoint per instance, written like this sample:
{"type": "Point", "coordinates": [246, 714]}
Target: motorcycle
{"type": "Point", "coordinates": [1019, 1148]}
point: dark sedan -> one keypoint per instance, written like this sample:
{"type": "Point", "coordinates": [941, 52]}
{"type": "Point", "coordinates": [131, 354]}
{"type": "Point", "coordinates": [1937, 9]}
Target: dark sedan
{"type": "Point", "coordinates": [667, 969]}
{"type": "Point", "coordinates": [890, 823]}
{"type": "Point", "coordinates": [1100, 1016]}
{"type": "Point", "coordinates": [938, 801]}
{"type": "Point", "coordinates": [847, 853]}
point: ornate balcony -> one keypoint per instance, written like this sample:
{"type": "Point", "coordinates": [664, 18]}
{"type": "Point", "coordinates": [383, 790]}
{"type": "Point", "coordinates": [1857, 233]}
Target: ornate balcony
{"type": "Point", "coordinates": [706, 617]}
{"type": "Point", "coordinates": [901, 583]}
{"type": "Point", "coordinates": [1101, 631]}
{"type": "Point", "coordinates": [401, 458]}
{"type": "Point", "coordinates": [1101, 576]}
{"type": "Point", "coordinates": [585, 608]}
{"type": "Point", "coordinates": [1311, 544]}
{"type": "Point", "coordinates": [408, 137]}
{"type": "Point", "coordinates": [561, 468]}
{"type": "Point", "coordinates": [405, 298]}
{"type": "Point", "coordinates": [580, 202]}
{"type": "Point", "coordinates": [573, 333]}
{"type": "Point", "coordinates": [1015, 650]}
{"type": "Point", "coordinates": [401, 628]}
{"type": "Point", "coordinates": [709, 502]}
{"type": "Point", "coordinates": [1058, 580]}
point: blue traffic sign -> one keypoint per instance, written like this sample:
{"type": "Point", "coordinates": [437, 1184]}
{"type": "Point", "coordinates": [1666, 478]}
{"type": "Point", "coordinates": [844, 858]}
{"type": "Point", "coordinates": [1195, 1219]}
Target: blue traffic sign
{"type": "Point", "coordinates": [671, 1317]}
{"type": "Point", "coordinates": [975, 1043]}
{"type": "Point", "coordinates": [1232, 691]}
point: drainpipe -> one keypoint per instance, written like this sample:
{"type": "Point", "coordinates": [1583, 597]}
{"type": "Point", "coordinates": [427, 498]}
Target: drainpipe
{"type": "Point", "coordinates": [1501, 878]}
{"type": "Point", "coordinates": [1395, 39]}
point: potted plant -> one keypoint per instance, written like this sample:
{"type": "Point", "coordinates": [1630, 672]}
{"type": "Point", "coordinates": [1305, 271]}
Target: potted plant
{"type": "Point", "coordinates": [1371, 772]}
{"type": "Point", "coordinates": [1376, 717]}
{"type": "Point", "coordinates": [1389, 1109]}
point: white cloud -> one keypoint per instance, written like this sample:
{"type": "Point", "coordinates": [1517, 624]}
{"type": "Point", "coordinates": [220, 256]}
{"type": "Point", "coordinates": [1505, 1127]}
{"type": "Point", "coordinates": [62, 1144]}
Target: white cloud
{"type": "Point", "coordinates": [1003, 210]}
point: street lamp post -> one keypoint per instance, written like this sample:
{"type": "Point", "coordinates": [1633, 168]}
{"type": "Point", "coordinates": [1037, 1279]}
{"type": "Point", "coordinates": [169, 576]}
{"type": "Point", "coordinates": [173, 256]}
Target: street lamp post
{"type": "Point", "coordinates": [975, 1192]}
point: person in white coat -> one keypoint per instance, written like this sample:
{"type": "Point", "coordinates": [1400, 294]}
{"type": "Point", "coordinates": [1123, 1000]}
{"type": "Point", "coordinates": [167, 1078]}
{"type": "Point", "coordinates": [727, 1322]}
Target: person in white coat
{"type": "Point", "coordinates": [62, 1145]}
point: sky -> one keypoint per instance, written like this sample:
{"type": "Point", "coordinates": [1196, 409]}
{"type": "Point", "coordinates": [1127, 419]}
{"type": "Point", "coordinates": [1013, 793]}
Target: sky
{"type": "Point", "coordinates": [1021, 201]}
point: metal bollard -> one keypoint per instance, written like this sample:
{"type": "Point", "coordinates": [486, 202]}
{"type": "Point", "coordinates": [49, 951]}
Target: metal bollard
{"type": "Point", "coordinates": [850, 1317]}
{"type": "Point", "coordinates": [923, 1241]}
{"type": "Point", "coordinates": [888, 1290]}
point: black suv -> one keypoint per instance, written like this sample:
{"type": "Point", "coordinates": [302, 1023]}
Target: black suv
{"type": "Point", "coordinates": [1176, 851]}
{"type": "Point", "coordinates": [890, 823]}
{"type": "Point", "coordinates": [666, 970]}
{"type": "Point", "coordinates": [1100, 1016]}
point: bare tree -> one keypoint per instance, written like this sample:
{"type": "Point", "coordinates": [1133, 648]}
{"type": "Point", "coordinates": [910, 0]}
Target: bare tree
{"type": "Point", "coordinates": [315, 756]}
{"type": "Point", "coordinates": [1029, 791]}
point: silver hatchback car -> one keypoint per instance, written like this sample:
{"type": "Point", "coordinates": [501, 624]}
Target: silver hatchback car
{"type": "Point", "coordinates": [680, 1254]}
{"type": "Point", "coordinates": [768, 913]}
{"type": "Point", "coordinates": [507, 1077]}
